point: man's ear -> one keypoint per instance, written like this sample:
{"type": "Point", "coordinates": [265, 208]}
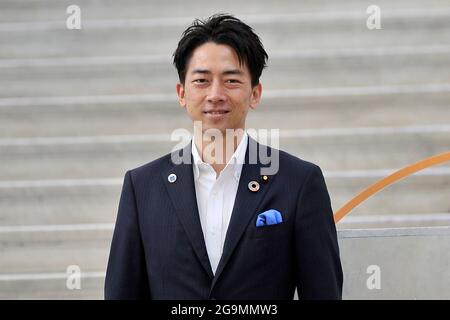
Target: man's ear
{"type": "Point", "coordinates": [181, 94]}
{"type": "Point", "coordinates": [256, 96]}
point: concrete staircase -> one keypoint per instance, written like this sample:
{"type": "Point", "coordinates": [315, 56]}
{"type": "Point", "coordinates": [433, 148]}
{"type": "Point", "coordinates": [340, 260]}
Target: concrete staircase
{"type": "Point", "coordinates": [80, 107]}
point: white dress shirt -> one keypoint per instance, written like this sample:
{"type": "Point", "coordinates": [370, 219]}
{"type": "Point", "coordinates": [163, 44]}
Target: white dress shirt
{"type": "Point", "coordinates": [215, 197]}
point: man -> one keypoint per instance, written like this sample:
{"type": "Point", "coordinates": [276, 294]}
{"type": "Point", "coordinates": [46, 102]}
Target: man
{"type": "Point", "coordinates": [216, 226]}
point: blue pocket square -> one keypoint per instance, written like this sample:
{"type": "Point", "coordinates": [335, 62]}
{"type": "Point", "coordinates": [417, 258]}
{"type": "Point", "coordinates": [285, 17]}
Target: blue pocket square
{"type": "Point", "coordinates": [269, 217]}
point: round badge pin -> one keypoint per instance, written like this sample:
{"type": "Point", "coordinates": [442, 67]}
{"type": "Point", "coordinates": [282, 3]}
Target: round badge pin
{"type": "Point", "coordinates": [253, 186]}
{"type": "Point", "coordinates": [172, 177]}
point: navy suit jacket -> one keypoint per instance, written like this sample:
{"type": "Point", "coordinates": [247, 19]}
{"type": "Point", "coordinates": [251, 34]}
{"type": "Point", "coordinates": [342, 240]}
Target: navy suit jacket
{"type": "Point", "coordinates": [158, 249]}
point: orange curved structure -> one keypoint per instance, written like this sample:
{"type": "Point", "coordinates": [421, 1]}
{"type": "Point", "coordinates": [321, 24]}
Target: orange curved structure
{"type": "Point", "coordinates": [383, 183]}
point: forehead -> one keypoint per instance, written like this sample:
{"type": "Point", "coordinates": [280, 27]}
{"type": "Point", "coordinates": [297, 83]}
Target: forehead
{"type": "Point", "coordinates": [214, 57]}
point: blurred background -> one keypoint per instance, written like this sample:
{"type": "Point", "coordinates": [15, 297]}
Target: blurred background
{"type": "Point", "coordinates": [80, 107]}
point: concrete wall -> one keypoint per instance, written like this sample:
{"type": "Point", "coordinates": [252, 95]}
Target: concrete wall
{"type": "Point", "coordinates": [414, 263]}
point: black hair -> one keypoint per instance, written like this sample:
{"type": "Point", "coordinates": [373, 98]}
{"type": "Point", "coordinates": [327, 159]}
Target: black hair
{"type": "Point", "coordinates": [222, 29]}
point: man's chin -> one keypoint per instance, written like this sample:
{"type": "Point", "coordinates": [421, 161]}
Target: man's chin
{"type": "Point", "coordinates": [215, 125]}
{"type": "Point", "coordinates": [222, 127]}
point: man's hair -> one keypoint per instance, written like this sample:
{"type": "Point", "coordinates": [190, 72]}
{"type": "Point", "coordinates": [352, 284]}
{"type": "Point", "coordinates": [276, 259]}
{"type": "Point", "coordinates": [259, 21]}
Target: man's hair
{"type": "Point", "coordinates": [222, 29]}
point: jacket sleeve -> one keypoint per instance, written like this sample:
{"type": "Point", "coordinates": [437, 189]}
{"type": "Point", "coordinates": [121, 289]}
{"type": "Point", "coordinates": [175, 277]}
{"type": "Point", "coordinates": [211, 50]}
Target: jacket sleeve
{"type": "Point", "coordinates": [319, 271]}
{"type": "Point", "coordinates": [126, 275]}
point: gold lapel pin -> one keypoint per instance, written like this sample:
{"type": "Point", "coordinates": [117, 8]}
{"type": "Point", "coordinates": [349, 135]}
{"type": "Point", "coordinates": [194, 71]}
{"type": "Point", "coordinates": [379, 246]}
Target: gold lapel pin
{"type": "Point", "coordinates": [265, 178]}
{"type": "Point", "coordinates": [253, 186]}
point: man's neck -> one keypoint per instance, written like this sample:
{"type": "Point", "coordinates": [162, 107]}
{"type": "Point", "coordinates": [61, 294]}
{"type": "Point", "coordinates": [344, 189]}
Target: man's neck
{"type": "Point", "coordinates": [216, 153]}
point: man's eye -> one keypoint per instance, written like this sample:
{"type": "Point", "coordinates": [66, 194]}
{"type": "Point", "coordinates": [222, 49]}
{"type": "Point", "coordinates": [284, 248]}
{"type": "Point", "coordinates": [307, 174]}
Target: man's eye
{"type": "Point", "coordinates": [200, 81]}
{"type": "Point", "coordinates": [233, 81]}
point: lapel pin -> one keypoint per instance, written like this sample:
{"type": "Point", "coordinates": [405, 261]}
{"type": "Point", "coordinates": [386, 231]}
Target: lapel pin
{"type": "Point", "coordinates": [172, 177]}
{"type": "Point", "coordinates": [265, 178]}
{"type": "Point", "coordinates": [253, 186]}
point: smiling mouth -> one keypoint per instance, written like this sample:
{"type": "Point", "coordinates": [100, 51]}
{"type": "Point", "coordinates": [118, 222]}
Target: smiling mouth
{"type": "Point", "coordinates": [215, 112]}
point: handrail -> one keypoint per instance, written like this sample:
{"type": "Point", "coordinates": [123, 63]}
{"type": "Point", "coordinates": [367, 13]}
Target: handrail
{"type": "Point", "coordinates": [383, 183]}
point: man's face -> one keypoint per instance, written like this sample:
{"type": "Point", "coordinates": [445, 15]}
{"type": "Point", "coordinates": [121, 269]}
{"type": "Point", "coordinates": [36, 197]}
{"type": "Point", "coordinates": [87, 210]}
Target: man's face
{"type": "Point", "coordinates": [217, 90]}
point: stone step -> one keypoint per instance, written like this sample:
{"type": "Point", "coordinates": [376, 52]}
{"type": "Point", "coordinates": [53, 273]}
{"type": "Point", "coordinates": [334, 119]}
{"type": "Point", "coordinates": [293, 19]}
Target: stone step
{"type": "Point", "coordinates": [63, 205]}
{"type": "Point", "coordinates": [97, 204]}
{"type": "Point", "coordinates": [51, 289]}
{"type": "Point", "coordinates": [54, 252]}
{"type": "Point", "coordinates": [106, 160]}
{"type": "Point", "coordinates": [282, 73]}
{"type": "Point", "coordinates": [308, 112]}
{"type": "Point", "coordinates": [418, 29]}
{"type": "Point", "coordinates": [51, 10]}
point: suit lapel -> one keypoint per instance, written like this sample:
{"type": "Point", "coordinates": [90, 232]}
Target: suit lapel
{"type": "Point", "coordinates": [182, 194]}
{"type": "Point", "coordinates": [245, 205]}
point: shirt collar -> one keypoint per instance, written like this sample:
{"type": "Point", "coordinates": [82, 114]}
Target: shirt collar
{"type": "Point", "coordinates": [236, 161]}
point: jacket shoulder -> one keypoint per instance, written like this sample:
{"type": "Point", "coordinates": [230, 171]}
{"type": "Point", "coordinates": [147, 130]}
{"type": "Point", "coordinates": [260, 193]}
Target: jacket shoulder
{"type": "Point", "coordinates": [290, 159]}
{"type": "Point", "coordinates": [153, 168]}
{"type": "Point", "coordinates": [296, 167]}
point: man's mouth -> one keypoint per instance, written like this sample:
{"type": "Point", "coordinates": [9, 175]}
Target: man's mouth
{"type": "Point", "coordinates": [216, 115]}
{"type": "Point", "coordinates": [216, 112]}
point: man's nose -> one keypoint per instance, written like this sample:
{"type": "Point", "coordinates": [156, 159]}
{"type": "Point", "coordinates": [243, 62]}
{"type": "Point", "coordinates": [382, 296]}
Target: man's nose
{"type": "Point", "coordinates": [216, 92]}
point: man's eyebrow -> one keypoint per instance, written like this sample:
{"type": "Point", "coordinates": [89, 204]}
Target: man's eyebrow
{"type": "Point", "coordinates": [226, 72]}
{"type": "Point", "coordinates": [233, 71]}
{"type": "Point", "coordinates": [203, 71]}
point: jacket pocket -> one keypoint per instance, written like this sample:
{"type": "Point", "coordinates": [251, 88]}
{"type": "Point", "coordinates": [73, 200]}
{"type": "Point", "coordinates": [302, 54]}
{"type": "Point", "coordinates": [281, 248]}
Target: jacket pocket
{"type": "Point", "coordinates": [269, 231]}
